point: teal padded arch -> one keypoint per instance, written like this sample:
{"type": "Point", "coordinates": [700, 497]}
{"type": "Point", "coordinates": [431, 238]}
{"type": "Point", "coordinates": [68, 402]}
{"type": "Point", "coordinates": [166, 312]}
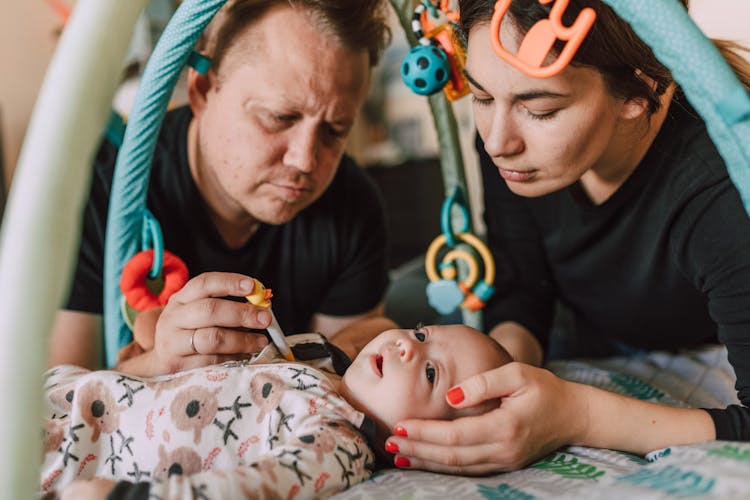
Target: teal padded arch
{"type": "Point", "coordinates": [707, 80]}
{"type": "Point", "coordinates": [127, 205]}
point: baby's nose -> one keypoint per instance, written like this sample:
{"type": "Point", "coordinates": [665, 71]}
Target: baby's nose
{"type": "Point", "coordinates": [406, 349]}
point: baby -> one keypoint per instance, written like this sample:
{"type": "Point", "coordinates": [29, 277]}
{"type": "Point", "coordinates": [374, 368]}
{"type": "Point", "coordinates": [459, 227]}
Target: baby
{"type": "Point", "coordinates": [261, 428]}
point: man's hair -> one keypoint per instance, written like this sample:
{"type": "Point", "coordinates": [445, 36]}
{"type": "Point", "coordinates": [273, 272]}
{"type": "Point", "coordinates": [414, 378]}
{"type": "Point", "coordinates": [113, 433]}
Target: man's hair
{"type": "Point", "coordinates": [356, 24]}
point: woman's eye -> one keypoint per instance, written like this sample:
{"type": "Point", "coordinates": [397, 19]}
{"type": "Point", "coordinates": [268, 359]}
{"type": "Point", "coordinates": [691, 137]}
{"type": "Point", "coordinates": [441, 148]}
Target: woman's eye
{"type": "Point", "coordinates": [429, 371]}
{"type": "Point", "coordinates": [541, 116]}
{"type": "Point", "coordinates": [480, 100]}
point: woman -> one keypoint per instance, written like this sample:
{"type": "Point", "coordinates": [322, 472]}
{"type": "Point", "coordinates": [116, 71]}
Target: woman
{"type": "Point", "coordinates": [611, 199]}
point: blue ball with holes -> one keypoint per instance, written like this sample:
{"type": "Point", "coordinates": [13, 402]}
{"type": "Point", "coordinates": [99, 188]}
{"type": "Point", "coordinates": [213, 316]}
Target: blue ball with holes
{"type": "Point", "coordinates": [425, 69]}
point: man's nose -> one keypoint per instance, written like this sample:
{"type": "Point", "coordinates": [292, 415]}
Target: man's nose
{"type": "Point", "coordinates": [302, 148]}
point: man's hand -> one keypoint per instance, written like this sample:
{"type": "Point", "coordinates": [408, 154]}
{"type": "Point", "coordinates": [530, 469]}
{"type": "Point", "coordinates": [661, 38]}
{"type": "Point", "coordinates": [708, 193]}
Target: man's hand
{"type": "Point", "coordinates": [198, 328]}
{"type": "Point", "coordinates": [95, 488]}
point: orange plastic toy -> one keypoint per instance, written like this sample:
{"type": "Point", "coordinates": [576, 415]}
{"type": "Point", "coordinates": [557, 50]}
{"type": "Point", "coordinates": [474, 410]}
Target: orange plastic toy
{"type": "Point", "coordinates": [541, 37]}
{"type": "Point", "coordinates": [457, 85]}
{"type": "Point", "coordinates": [137, 288]}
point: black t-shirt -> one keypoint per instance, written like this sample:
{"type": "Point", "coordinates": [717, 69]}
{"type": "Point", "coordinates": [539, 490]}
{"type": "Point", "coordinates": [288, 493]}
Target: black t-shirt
{"type": "Point", "coordinates": [330, 259]}
{"type": "Point", "coordinates": [664, 263]}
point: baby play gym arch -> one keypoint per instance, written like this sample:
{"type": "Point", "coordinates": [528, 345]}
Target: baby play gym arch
{"type": "Point", "coordinates": [41, 221]}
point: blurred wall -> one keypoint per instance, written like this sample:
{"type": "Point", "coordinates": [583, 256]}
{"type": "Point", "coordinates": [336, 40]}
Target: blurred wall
{"type": "Point", "coordinates": [729, 19]}
{"type": "Point", "coordinates": [27, 41]}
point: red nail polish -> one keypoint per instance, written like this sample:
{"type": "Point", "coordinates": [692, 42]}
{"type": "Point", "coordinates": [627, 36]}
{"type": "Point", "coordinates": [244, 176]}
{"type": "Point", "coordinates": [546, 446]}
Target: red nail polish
{"type": "Point", "coordinates": [391, 447]}
{"type": "Point", "coordinates": [400, 431]}
{"type": "Point", "coordinates": [455, 395]}
{"type": "Point", "coordinates": [402, 462]}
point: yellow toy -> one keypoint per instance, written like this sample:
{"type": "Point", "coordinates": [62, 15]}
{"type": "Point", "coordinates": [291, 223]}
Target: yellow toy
{"type": "Point", "coordinates": [261, 297]}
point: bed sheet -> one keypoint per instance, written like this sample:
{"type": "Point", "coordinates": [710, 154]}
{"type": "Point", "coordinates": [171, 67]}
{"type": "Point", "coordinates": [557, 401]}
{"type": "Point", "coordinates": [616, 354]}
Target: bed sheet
{"type": "Point", "coordinates": [696, 378]}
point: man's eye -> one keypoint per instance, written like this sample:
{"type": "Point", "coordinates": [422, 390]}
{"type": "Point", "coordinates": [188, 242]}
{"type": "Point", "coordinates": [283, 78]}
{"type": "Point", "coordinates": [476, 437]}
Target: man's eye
{"type": "Point", "coordinates": [274, 121]}
{"type": "Point", "coordinates": [429, 371]}
{"type": "Point", "coordinates": [337, 132]}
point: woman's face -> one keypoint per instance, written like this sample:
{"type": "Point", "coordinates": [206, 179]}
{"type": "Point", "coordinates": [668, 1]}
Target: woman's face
{"type": "Point", "coordinates": [542, 134]}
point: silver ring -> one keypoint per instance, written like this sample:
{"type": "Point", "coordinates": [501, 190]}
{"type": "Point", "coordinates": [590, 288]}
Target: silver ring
{"type": "Point", "coordinates": [192, 342]}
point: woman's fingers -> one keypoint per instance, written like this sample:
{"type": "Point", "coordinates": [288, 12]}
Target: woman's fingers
{"type": "Point", "coordinates": [498, 383]}
{"type": "Point", "coordinates": [459, 470]}
{"type": "Point", "coordinates": [465, 431]}
{"type": "Point", "coordinates": [213, 284]}
{"type": "Point", "coordinates": [487, 452]}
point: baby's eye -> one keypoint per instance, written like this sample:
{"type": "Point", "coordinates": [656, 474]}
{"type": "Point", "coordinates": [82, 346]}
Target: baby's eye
{"type": "Point", "coordinates": [418, 333]}
{"type": "Point", "coordinates": [429, 371]}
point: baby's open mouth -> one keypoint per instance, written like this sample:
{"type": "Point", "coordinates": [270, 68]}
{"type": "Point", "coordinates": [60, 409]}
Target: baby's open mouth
{"type": "Point", "coordinates": [377, 364]}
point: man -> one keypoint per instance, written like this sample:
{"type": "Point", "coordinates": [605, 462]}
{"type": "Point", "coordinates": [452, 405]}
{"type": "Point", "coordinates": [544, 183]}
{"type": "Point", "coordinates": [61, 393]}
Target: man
{"type": "Point", "coordinates": [251, 179]}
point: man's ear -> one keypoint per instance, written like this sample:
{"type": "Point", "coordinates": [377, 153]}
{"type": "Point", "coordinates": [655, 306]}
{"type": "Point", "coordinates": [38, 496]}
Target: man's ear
{"type": "Point", "coordinates": [198, 86]}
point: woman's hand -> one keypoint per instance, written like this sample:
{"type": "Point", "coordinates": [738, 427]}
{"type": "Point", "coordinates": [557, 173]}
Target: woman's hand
{"type": "Point", "coordinates": [198, 328]}
{"type": "Point", "coordinates": [95, 488]}
{"type": "Point", "coordinates": [538, 413]}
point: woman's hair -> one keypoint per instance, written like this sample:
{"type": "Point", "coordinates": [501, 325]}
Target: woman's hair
{"type": "Point", "coordinates": [357, 25]}
{"type": "Point", "coordinates": [611, 47]}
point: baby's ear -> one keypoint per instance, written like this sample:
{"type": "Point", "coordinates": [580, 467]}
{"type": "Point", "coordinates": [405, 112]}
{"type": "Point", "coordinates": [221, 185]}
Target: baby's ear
{"type": "Point", "coordinates": [382, 458]}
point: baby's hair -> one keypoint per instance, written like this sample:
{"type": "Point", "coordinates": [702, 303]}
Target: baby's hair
{"type": "Point", "coordinates": [507, 357]}
{"type": "Point", "coordinates": [504, 354]}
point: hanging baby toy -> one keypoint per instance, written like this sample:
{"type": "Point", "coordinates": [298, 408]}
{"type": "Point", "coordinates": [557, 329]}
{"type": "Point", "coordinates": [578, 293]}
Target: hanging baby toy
{"type": "Point", "coordinates": [261, 297]}
{"type": "Point", "coordinates": [437, 62]}
{"type": "Point", "coordinates": [152, 275]}
{"type": "Point", "coordinates": [540, 39]}
{"type": "Point", "coordinates": [445, 292]}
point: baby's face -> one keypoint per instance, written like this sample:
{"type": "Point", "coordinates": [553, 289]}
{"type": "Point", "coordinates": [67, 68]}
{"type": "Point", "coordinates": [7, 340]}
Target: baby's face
{"type": "Point", "coordinates": [405, 373]}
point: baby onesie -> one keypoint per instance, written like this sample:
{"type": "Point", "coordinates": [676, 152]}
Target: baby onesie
{"type": "Point", "coordinates": [261, 428]}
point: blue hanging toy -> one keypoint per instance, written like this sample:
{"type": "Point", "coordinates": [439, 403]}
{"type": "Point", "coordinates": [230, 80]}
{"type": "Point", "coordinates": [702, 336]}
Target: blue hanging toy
{"type": "Point", "coordinates": [437, 62]}
{"type": "Point", "coordinates": [425, 69]}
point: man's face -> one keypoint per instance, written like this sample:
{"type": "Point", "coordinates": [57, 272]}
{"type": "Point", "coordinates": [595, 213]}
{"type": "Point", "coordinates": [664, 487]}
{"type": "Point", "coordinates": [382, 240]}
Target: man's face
{"type": "Point", "coordinates": [405, 373]}
{"type": "Point", "coordinates": [271, 126]}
